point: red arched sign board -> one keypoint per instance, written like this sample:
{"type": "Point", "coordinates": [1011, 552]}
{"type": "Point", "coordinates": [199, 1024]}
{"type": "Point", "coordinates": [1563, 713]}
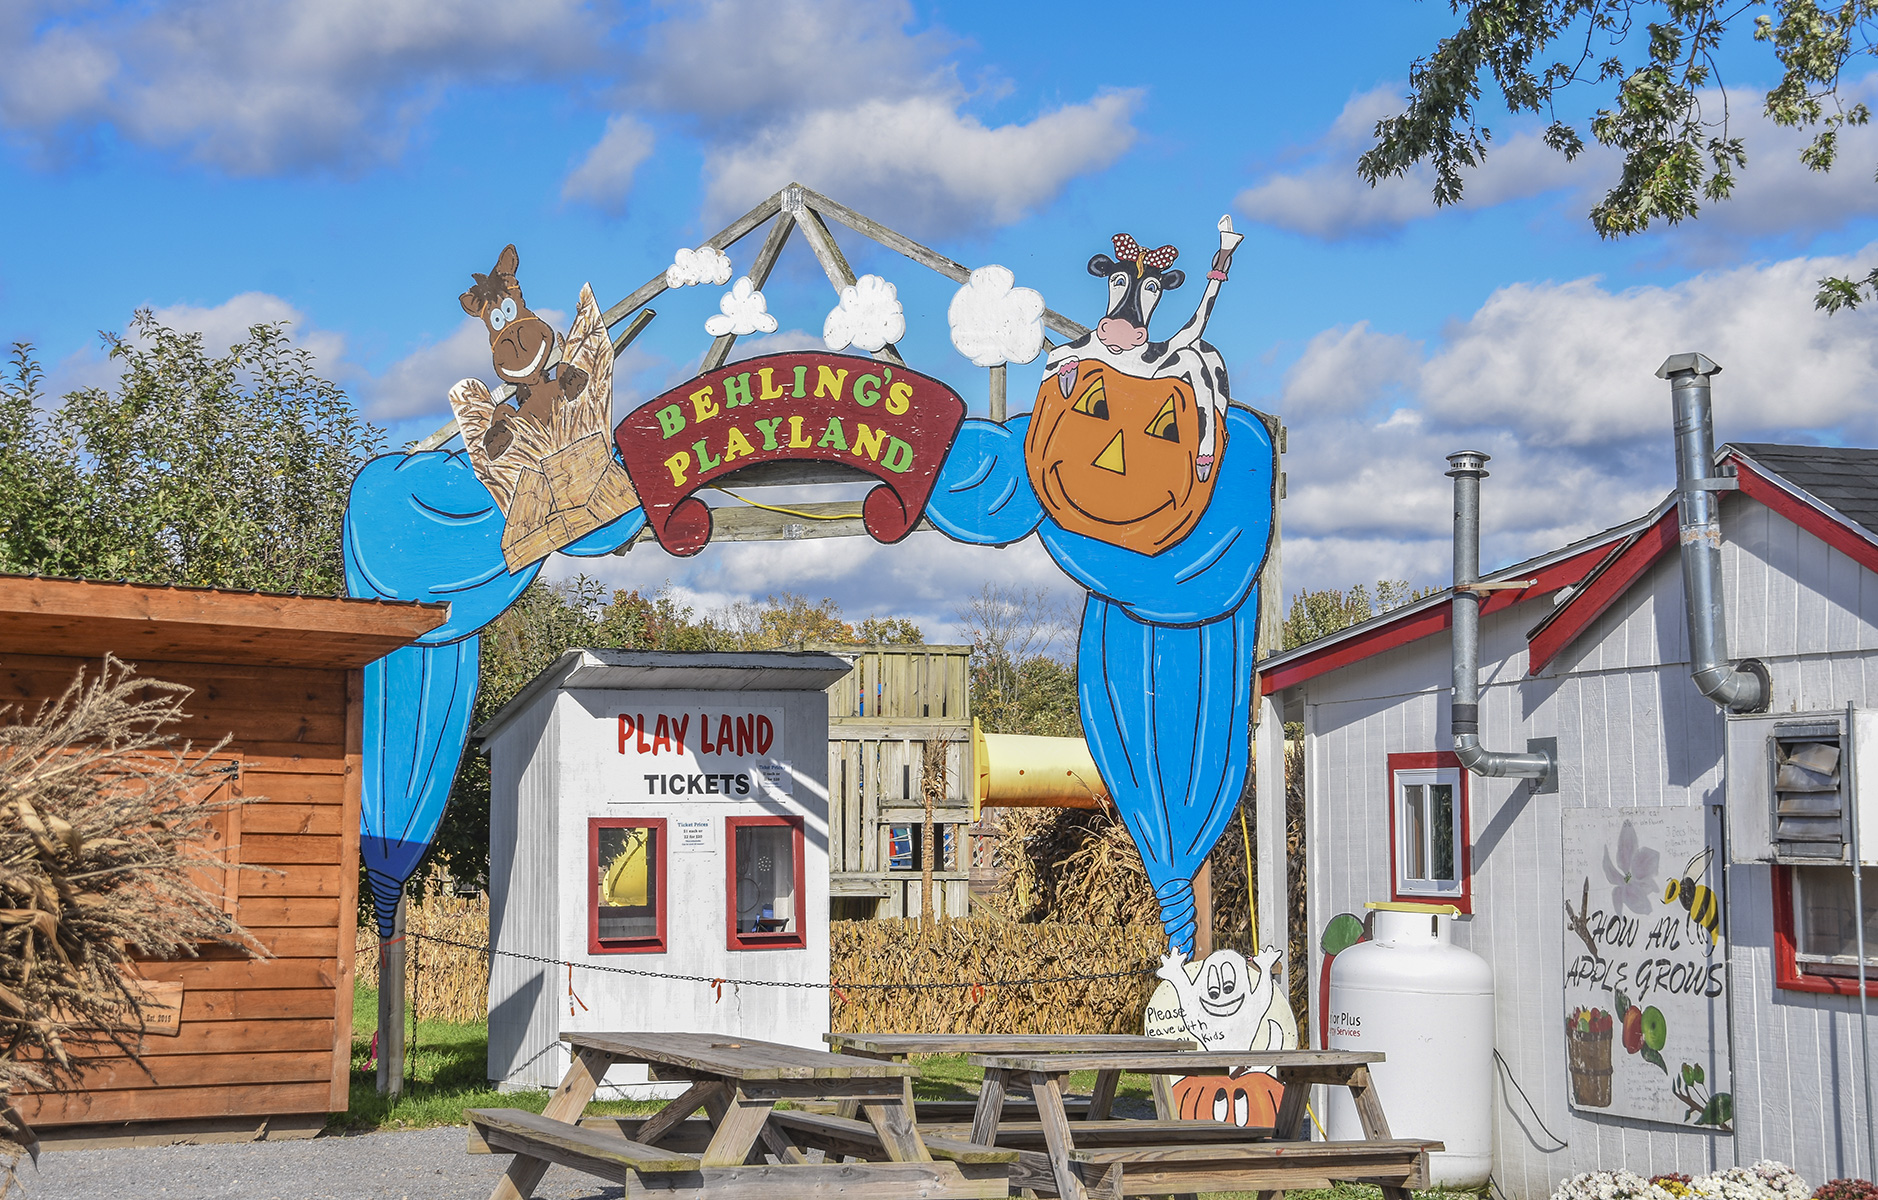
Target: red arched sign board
{"type": "Point", "coordinates": [888, 421]}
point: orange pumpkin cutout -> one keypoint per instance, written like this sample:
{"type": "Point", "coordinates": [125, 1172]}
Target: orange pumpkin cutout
{"type": "Point", "coordinates": [1114, 459]}
{"type": "Point", "coordinates": [1249, 1100]}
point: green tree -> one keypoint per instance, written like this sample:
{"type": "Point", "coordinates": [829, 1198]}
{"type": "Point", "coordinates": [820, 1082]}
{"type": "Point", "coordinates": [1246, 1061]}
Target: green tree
{"type": "Point", "coordinates": [1325, 611]}
{"type": "Point", "coordinates": [1018, 683]}
{"type": "Point", "coordinates": [195, 469]}
{"type": "Point", "coordinates": [1678, 150]}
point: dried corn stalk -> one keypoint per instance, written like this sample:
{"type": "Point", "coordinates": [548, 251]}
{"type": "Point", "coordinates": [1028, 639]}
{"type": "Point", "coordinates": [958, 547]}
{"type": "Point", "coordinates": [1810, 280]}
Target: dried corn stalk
{"type": "Point", "coordinates": [102, 821]}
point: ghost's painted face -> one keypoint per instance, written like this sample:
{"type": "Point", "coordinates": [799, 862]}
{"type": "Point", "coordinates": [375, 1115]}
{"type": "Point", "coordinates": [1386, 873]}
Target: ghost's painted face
{"type": "Point", "coordinates": [1223, 988]}
{"type": "Point", "coordinates": [1113, 456]}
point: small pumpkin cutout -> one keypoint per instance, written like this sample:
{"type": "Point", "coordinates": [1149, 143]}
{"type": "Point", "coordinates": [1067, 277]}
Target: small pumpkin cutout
{"type": "Point", "coordinates": [1248, 1101]}
{"type": "Point", "coordinates": [1114, 457]}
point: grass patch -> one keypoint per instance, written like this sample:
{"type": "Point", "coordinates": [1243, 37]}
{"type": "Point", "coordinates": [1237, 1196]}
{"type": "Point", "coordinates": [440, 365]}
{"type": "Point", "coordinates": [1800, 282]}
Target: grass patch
{"type": "Point", "coordinates": [446, 1071]}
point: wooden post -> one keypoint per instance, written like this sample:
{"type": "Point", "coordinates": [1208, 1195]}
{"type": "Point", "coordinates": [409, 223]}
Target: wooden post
{"type": "Point", "coordinates": [1203, 910]}
{"type": "Point", "coordinates": [391, 1008]}
{"type": "Point", "coordinates": [927, 750]}
{"type": "Point", "coordinates": [997, 393]}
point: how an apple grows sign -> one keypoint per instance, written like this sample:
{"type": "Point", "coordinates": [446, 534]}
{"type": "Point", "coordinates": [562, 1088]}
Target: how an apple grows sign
{"type": "Point", "coordinates": [1646, 1004]}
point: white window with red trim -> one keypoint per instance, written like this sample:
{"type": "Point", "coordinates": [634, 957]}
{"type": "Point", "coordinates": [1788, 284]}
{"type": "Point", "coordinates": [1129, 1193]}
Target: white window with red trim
{"type": "Point", "coordinates": [1428, 838]}
{"type": "Point", "coordinates": [1815, 930]}
{"type": "Point", "coordinates": [625, 885]}
{"type": "Point", "coordinates": [765, 901]}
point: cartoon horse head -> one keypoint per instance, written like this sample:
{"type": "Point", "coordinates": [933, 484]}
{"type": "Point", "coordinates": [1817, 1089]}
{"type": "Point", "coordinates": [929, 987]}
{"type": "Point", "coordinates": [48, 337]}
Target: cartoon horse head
{"type": "Point", "coordinates": [521, 345]}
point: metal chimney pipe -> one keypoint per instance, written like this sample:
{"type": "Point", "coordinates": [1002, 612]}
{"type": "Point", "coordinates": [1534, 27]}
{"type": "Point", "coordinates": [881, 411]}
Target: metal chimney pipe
{"type": "Point", "coordinates": [1742, 688]}
{"type": "Point", "coordinates": [1468, 468]}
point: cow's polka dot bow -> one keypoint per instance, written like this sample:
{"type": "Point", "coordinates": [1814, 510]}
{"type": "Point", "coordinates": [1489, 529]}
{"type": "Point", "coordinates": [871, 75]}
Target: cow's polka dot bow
{"type": "Point", "coordinates": [1129, 251]}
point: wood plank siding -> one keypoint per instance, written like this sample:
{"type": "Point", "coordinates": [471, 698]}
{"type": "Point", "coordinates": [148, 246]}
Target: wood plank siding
{"type": "Point", "coordinates": [1632, 731]}
{"type": "Point", "coordinates": [258, 1036]}
{"type": "Point", "coordinates": [880, 717]}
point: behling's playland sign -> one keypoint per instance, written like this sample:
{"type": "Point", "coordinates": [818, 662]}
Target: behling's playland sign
{"type": "Point", "coordinates": [889, 421]}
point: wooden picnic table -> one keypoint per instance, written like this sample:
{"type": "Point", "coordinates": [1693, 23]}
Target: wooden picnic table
{"type": "Point", "coordinates": [1184, 1157]}
{"type": "Point", "coordinates": [896, 1047]}
{"type": "Point", "coordinates": [737, 1082]}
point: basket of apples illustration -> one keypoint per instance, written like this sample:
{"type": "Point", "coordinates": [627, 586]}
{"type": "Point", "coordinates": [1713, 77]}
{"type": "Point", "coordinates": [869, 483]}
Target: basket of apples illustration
{"type": "Point", "coordinates": [1588, 1052]}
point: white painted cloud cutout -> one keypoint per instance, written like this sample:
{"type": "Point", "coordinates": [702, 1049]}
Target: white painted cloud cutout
{"type": "Point", "coordinates": [706, 264]}
{"type": "Point", "coordinates": [868, 317]}
{"type": "Point", "coordinates": [744, 311]}
{"type": "Point", "coordinates": [994, 322]}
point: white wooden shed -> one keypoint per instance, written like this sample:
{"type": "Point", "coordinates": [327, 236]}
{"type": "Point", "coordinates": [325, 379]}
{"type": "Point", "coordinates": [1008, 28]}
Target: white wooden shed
{"type": "Point", "coordinates": [1594, 653]}
{"type": "Point", "coordinates": [660, 813]}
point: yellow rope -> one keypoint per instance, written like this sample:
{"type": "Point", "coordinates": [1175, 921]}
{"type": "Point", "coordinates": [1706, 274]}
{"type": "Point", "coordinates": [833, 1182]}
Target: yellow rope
{"type": "Point", "coordinates": [1316, 1122]}
{"type": "Point", "coordinates": [1251, 902]}
{"type": "Point", "coordinates": [790, 512]}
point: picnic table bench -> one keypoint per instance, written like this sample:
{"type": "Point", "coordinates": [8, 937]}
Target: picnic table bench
{"type": "Point", "coordinates": [750, 1146]}
{"type": "Point", "coordinates": [1081, 1159]}
{"type": "Point", "coordinates": [897, 1047]}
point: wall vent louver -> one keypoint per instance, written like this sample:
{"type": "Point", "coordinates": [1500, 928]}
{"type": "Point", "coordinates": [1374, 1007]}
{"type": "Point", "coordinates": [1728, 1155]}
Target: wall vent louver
{"type": "Point", "coordinates": [1811, 813]}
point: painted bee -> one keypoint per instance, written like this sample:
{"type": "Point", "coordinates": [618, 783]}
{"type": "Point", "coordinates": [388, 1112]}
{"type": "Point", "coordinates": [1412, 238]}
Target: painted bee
{"type": "Point", "coordinates": [1698, 901]}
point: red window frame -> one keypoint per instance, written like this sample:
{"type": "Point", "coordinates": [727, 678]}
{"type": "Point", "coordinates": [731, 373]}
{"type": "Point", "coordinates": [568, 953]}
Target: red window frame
{"type": "Point", "coordinates": [1437, 760]}
{"type": "Point", "coordinates": [763, 941]}
{"type": "Point", "coordinates": [1789, 975]}
{"type": "Point", "coordinates": [640, 945]}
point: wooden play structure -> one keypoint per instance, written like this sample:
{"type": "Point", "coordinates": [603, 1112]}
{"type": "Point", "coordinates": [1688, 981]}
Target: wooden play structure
{"type": "Point", "coordinates": [262, 1047]}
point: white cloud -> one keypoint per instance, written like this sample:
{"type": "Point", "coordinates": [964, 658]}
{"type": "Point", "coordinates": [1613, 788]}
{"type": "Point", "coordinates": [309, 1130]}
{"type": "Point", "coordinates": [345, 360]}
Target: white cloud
{"type": "Point", "coordinates": [742, 310]}
{"type": "Point", "coordinates": [920, 160]}
{"type": "Point", "coordinates": [790, 56]}
{"type": "Point", "coordinates": [994, 322]}
{"type": "Point", "coordinates": [1557, 382]}
{"type": "Point", "coordinates": [706, 264]}
{"type": "Point", "coordinates": [1327, 199]}
{"type": "Point", "coordinates": [605, 176]}
{"type": "Point", "coordinates": [257, 87]}
{"type": "Point", "coordinates": [420, 382]}
{"type": "Point", "coordinates": [226, 324]}
{"type": "Point", "coordinates": [867, 316]}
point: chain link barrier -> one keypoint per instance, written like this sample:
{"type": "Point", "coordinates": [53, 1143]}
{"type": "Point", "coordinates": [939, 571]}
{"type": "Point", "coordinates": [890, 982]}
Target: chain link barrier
{"type": "Point", "coordinates": [718, 982]}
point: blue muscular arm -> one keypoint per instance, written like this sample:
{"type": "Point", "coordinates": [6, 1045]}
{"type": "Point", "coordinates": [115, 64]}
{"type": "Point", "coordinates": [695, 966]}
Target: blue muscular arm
{"type": "Point", "coordinates": [982, 495]}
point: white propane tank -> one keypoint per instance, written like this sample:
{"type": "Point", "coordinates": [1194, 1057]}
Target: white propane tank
{"type": "Point", "coordinates": [1428, 1004]}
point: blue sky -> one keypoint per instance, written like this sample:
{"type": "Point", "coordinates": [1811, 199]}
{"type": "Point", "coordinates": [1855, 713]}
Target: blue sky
{"type": "Point", "coordinates": [345, 165]}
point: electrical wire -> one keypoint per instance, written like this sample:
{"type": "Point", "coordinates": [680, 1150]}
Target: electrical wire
{"type": "Point", "coordinates": [1530, 1106]}
{"type": "Point", "coordinates": [791, 512]}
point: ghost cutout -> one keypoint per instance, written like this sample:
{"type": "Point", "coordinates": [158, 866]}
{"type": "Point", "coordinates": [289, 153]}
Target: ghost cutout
{"type": "Point", "coordinates": [1226, 1005]}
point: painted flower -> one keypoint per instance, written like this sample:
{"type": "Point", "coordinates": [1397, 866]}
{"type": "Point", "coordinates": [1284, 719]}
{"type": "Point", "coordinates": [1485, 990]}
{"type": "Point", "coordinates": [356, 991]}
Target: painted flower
{"type": "Point", "coordinates": [1633, 876]}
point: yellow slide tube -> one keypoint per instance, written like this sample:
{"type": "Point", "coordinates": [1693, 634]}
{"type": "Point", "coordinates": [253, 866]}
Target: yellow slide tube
{"type": "Point", "coordinates": [1018, 771]}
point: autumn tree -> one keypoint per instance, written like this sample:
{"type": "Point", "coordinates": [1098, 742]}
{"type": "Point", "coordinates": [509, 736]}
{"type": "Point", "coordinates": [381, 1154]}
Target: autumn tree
{"type": "Point", "coordinates": [1653, 63]}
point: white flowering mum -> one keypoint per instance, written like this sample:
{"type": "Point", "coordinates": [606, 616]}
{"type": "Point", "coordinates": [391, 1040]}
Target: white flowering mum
{"type": "Point", "coordinates": [1609, 1185]}
{"type": "Point", "coordinates": [1765, 1180]}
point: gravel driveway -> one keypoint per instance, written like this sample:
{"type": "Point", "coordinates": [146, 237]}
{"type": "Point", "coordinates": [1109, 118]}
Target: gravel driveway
{"type": "Point", "coordinates": [423, 1164]}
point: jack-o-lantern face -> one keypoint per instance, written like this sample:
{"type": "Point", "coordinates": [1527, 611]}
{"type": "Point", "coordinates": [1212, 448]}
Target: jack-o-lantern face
{"type": "Point", "coordinates": [1113, 456]}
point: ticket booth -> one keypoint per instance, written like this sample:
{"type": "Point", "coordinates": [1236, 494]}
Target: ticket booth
{"type": "Point", "coordinates": [658, 854]}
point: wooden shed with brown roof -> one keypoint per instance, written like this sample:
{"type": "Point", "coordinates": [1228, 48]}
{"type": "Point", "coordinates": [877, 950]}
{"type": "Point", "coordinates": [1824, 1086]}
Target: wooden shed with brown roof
{"type": "Point", "coordinates": [262, 1046]}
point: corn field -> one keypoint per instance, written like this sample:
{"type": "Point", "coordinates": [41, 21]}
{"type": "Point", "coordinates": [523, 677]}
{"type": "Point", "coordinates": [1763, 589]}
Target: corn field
{"type": "Point", "coordinates": [958, 954]}
{"type": "Point", "coordinates": [443, 983]}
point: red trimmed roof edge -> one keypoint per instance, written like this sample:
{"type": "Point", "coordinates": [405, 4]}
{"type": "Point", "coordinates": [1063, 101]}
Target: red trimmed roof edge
{"type": "Point", "coordinates": [1430, 617]}
{"type": "Point", "coordinates": [1600, 590]}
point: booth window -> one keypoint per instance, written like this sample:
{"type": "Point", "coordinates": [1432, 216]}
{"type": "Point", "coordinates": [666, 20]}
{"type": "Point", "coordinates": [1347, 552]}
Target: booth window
{"type": "Point", "coordinates": [1428, 851]}
{"type": "Point", "coordinates": [763, 877]}
{"type": "Point", "coordinates": [1815, 934]}
{"type": "Point", "coordinates": [625, 885]}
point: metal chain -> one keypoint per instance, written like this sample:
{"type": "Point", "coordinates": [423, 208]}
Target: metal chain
{"type": "Point", "coordinates": [846, 987]}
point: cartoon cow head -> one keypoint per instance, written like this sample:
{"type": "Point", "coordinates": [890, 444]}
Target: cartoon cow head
{"type": "Point", "coordinates": [1137, 277]}
{"type": "Point", "coordinates": [520, 343]}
